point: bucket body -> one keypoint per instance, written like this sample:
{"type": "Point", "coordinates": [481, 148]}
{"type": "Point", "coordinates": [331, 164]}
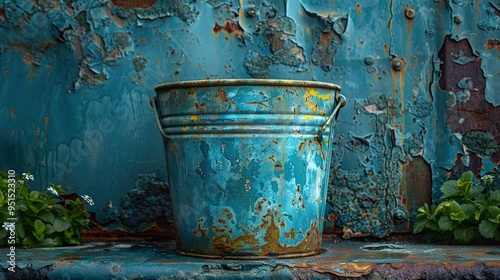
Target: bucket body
{"type": "Point", "coordinates": [248, 164]}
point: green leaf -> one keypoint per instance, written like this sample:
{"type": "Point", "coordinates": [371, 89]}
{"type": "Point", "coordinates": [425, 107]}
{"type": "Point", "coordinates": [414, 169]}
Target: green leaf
{"type": "Point", "coordinates": [37, 206]}
{"type": "Point", "coordinates": [23, 190]}
{"type": "Point", "coordinates": [495, 198]}
{"type": "Point", "coordinates": [39, 226]}
{"type": "Point", "coordinates": [38, 236]}
{"type": "Point", "coordinates": [455, 211]}
{"type": "Point", "coordinates": [466, 176]}
{"type": "Point", "coordinates": [21, 205]}
{"type": "Point", "coordinates": [446, 223]}
{"type": "Point", "coordinates": [463, 234]}
{"type": "Point", "coordinates": [436, 211]}
{"type": "Point", "coordinates": [454, 207]}
{"type": "Point", "coordinates": [72, 241]}
{"type": "Point", "coordinates": [59, 208]}
{"type": "Point", "coordinates": [48, 242]}
{"type": "Point", "coordinates": [28, 242]}
{"type": "Point", "coordinates": [34, 195]}
{"type": "Point", "coordinates": [28, 219]}
{"type": "Point", "coordinates": [481, 199]}
{"type": "Point", "coordinates": [68, 233]}
{"type": "Point", "coordinates": [469, 210]}
{"type": "Point", "coordinates": [49, 229]}
{"type": "Point", "coordinates": [464, 187]}
{"type": "Point", "coordinates": [476, 190]}
{"type": "Point", "coordinates": [43, 197]}
{"type": "Point", "coordinates": [433, 225]}
{"type": "Point", "coordinates": [424, 209]}
{"type": "Point", "coordinates": [81, 220]}
{"type": "Point", "coordinates": [459, 216]}
{"type": "Point", "coordinates": [47, 216]}
{"type": "Point", "coordinates": [493, 212]}
{"type": "Point", "coordinates": [450, 189]}
{"type": "Point", "coordinates": [488, 228]}
{"type": "Point", "coordinates": [20, 230]}
{"type": "Point", "coordinates": [420, 225]}
{"type": "Point", "coordinates": [58, 240]}
{"type": "Point", "coordinates": [61, 225]}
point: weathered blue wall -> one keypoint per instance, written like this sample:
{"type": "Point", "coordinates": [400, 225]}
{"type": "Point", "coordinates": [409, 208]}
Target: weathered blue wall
{"type": "Point", "coordinates": [421, 78]}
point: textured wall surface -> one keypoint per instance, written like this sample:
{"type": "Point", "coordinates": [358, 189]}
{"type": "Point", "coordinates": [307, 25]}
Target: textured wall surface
{"type": "Point", "coordinates": [421, 78]}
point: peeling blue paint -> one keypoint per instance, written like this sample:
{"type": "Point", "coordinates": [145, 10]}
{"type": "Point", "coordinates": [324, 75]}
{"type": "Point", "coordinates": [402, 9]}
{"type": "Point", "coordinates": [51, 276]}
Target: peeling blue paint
{"type": "Point", "coordinates": [491, 22]}
{"type": "Point", "coordinates": [147, 202]}
{"type": "Point", "coordinates": [168, 8]}
{"type": "Point", "coordinates": [77, 77]}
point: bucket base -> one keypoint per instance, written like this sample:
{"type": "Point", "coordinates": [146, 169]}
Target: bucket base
{"type": "Point", "coordinates": [252, 257]}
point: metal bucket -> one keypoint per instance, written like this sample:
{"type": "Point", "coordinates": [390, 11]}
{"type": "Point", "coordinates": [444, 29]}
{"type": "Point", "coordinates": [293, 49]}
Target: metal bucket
{"type": "Point", "coordinates": [248, 164]}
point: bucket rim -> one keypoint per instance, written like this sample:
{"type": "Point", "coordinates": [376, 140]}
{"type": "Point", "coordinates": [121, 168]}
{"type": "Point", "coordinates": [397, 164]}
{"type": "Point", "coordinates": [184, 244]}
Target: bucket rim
{"type": "Point", "coordinates": [241, 82]}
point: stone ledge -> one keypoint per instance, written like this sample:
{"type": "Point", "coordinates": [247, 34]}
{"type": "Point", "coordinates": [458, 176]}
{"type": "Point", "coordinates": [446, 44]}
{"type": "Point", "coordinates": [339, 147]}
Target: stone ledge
{"type": "Point", "coordinates": [339, 260]}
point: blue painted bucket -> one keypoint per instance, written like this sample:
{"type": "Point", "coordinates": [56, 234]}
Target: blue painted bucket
{"type": "Point", "coordinates": [248, 164]}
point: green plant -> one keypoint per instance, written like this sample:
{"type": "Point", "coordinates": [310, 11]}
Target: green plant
{"type": "Point", "coordinates": [39, 219]}
{"type": "Point", "coordinates": [468, 212]}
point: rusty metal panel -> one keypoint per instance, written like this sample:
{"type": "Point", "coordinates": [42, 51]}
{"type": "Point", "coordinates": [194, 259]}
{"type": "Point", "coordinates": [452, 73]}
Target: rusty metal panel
{"type": "Point", "coordinates": [390, 124]}
{"type": "Point", "coordinates": [421, 79]}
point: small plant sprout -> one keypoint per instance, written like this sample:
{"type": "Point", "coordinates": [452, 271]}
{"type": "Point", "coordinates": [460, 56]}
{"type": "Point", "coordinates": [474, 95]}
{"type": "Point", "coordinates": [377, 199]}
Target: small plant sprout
{"type": "Point", "coordinates": [43, 218]}
{"type": "Point", "coordinates": [468, 212]}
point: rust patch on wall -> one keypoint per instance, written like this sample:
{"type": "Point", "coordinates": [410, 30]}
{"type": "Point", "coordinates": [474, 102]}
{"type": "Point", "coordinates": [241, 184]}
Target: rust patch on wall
{"type": "Point", "coordinates": [469, 113]}
{"type": "Point", "coordinates": [324, 50]}
{"type": "Point", "coordinates": [416, 188]}
{"type": "Point", "coordinates": [459, 61]}
{"type": "Point", "coordinates": [127, 4]}
{"type": "Point", "coordinates": [278, 33]}
{"type": "Point", "coordinates": [492, 44]}
{"type": "Point", "coordinates": [230, 27]}
{"type": "Point", "coordinates": [284, 50]}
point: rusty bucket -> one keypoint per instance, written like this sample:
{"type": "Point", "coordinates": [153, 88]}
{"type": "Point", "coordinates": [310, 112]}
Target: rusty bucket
{"type": "Point", "coordinates": [248, 164]}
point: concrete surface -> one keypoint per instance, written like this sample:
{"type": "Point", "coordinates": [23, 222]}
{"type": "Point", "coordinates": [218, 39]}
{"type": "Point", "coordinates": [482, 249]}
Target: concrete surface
{"type": "Point", "coordinates": [340, 259]}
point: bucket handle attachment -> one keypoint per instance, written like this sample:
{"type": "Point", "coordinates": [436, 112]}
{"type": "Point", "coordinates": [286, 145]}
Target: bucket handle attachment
{"type": "Point", "coordinates": [154, 103]}
{"type": "Point", "coordinates": [341, 100]}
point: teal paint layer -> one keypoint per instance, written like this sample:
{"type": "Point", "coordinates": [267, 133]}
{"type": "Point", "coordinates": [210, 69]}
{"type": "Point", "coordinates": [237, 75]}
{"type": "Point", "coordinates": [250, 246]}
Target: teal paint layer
{"type": "Point", "coordinates": [76, 78]}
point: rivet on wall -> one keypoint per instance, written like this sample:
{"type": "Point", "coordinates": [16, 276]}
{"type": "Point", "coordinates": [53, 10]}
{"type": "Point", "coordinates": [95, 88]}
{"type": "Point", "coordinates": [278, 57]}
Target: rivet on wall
{"type": "Point", "coordinates": [397, 64]}
{"type": "Point", "coordinates": [410, 13]}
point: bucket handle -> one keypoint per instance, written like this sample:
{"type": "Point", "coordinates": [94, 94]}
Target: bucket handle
{"type": "Point", "coordinates": [340, 99]}
{"type": "Point", "coordinates": [154, 103]}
